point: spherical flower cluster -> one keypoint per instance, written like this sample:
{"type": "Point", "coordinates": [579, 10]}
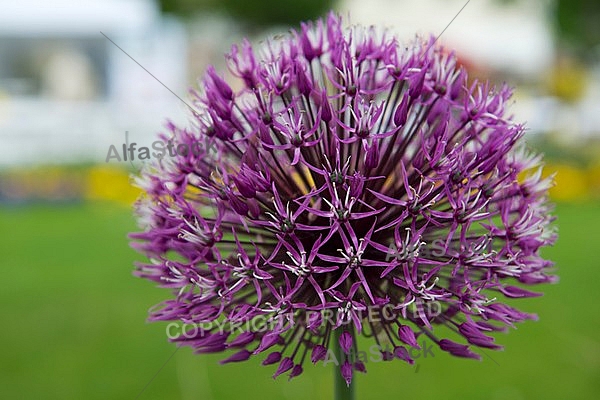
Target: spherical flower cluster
{"type": "Point", "coordinates": [350, 187]}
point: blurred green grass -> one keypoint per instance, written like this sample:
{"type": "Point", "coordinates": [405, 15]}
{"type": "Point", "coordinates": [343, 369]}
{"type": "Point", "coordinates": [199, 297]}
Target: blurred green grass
{"type": "Point", "coordinates": [74, 325]}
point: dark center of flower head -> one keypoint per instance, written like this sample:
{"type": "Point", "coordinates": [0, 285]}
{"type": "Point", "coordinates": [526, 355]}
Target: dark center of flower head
{"type": "Point", "coordinates": [346, 202]}
{"type": "Point", "coordinates": [351, 90]}
{"type": "Point", "coordinates": [336, 177]}
{"type": "Point", "coordinates": [287, 226]}
{"type": "Point", "coordinates": [267, 119]}
{"type": "Point", "coordinates": [440, 89]}
{"type": "Point", "coordinates": [363, 133]}
{"type": "Point", "coordinates": [297, 140]}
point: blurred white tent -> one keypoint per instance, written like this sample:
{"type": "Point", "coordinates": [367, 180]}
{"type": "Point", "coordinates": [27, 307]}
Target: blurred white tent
{"type": "Point", "coordinates": [67, 93]}
{"type": "Point", "coordinates": [513, 37]}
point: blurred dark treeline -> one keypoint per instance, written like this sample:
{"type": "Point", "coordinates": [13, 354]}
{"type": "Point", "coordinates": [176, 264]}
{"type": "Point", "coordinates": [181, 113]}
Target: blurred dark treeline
{"type": "Point", "coordinates": [253, 13]}
{"type": "Point", "coordinates": [577, 25]}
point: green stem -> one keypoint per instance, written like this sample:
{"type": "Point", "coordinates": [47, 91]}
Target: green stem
{"type": "Point", "coordinates": [342, 390]}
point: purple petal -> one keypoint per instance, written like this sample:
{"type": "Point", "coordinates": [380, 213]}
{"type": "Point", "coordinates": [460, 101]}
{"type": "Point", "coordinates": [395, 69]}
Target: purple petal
{"type": "Point", "coordinates": [456, 349]}
{"type": "Point", "coordinates": [241, 355]}
{"type": "Point", "coordinates": [346, 371]}
{"type": "Point", "coordinates": [474, 336]}
{"type": "Point", "coordinates": [272, 358]}
{"type": "Point", "coordinates": [401, 353]}
{"type": "Point", "coordinates": [318, 353]}
{"type": "Point", "coordinates": [285, 365]}
{"type": "Point", "coordinates": [242, 339]}
{"type": "Point", "coordinates": [345, 341]}
{"type": "Point", "coordinates": [267, 341]}
{"type": "Point", "coordinates": [360, 367]}
{"type": "Point", "coordinates": [406, 335]}
{"type": "Point", "coordinates": [297, 370]}
{"type": "Point", "coordinates": [516, 292]}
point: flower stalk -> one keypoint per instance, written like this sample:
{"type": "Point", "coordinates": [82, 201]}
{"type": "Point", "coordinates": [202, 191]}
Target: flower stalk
{"type": "Point", "coordinates": [342, 389]}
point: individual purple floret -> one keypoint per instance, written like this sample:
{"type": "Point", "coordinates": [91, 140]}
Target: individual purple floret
{"type": "Point", "coordinates": [350, 187]}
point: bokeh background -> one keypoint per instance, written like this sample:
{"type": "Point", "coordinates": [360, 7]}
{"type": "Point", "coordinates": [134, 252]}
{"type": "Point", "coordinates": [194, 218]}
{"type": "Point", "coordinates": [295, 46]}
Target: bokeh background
{"type": "Point", "coordinates": [73, 323]}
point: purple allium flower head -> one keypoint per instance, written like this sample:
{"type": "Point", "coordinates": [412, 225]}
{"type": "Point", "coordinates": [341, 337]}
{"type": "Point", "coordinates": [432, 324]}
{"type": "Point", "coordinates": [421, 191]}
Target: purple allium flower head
{"type": "Point", "coordinates": [352, 186]}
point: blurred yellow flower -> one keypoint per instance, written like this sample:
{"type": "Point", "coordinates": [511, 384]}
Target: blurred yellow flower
{"type": "Point", "coordinates": [110, 183]}
{"type": "Point", "coordinates": [571, 183]}
{"type": "Point", "coordinates": [568, 80]}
